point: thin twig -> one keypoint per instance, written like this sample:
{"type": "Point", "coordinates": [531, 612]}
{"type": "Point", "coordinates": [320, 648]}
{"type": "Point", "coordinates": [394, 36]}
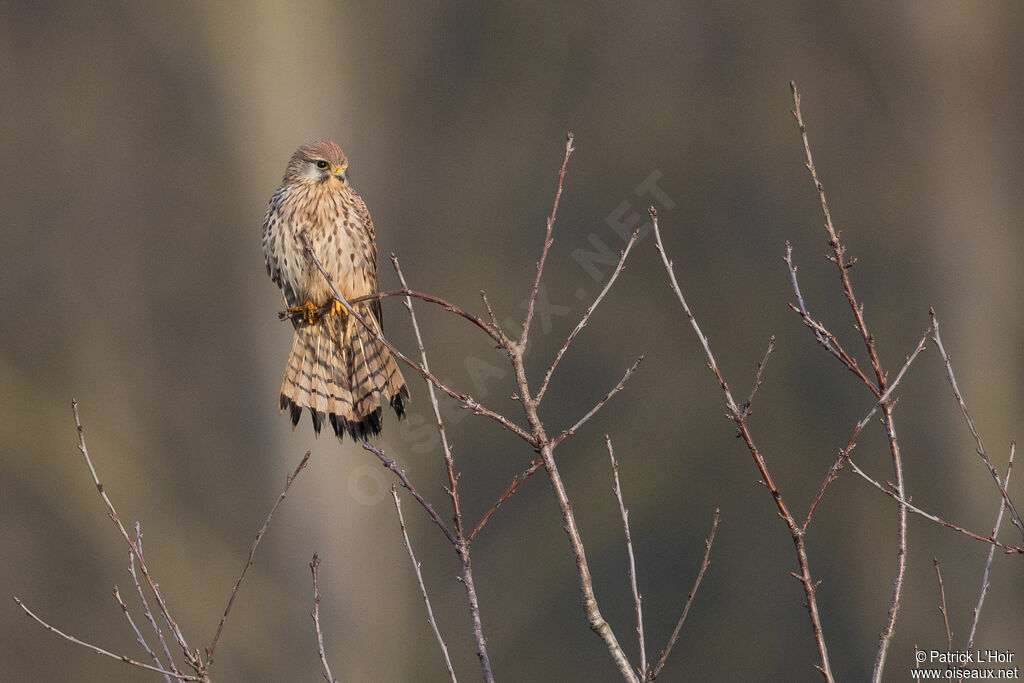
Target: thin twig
{"type": "Point", "coordinates": [461, 544]}
{"type": "Point", "coordinates": [991, 551]}
{"type": "Point", "coordinates": [600, 404]}
{"type": "Point", "coordinates": [423, 588]}
{"type": "Point", "coordinates": [586, 317]}
{"type": "Point", "coordinates": [821, 334]}
{"type": "Point", "coordinates": [757, 377]}
{"type": "Point", "coordinates": [689, 599]}
{"type": "Point", "coordinates": [1014, 517]}
{"type": "Point", "coordinates": [927, 515]}
{"type": "Point", "coordinates": [313, 566]}
{"type": "Point", "coordinates": [942, 604]}
{"type": "Point", "coordinates": [145, 603]}
{"type": "Point", "coordinates": [252, 556]}
{"type": "Point", "coordinates": [516, 481]}
{"type": "Point", "coordinates": [843, 266]}
{"type": "Point", "coordinates": [539, 440]}
{"type": "Point", "coordinates": [408, 486]}
{"type": "Point", "coordinates": [192, 658]}
{"type": "Point", "coordinates": [830, 476]}
{"type": "Point", "coordinates": [547, 242]}
{"type": "Point", "coordinates": [105, 653]}
{"type": "Point", "coordinates": [838, 256]}
{"type": "Point", "coordinates": [738, 415]}
{"type": "Point", "coordinates": [138, 634]}
{"type": "Point", "coordinates": [637, 600]}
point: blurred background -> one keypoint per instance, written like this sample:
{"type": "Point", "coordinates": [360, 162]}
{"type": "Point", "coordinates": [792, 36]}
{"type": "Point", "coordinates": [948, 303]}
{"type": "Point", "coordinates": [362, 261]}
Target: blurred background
{"type": "Point", "coordinates": [141, 141]}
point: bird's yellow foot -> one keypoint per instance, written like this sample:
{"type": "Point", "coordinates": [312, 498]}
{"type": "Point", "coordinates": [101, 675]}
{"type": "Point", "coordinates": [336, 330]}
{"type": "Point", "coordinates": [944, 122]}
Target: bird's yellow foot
{"type": "Point", "coordinates": [337, 308]}
{"type": "Point", "coordinates": [308, 311]}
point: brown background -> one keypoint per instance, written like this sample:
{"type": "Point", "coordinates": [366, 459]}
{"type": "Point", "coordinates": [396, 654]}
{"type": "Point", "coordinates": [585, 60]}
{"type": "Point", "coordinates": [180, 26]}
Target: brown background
{"type": "Point", "coordinates": [141, 140]}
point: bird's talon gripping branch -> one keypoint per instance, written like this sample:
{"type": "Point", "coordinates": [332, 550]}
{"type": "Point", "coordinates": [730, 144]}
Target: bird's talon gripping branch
{"type": "Point", "coordinates": [308, 311]}
{"type": "Point", "coordinates": [337, 308]}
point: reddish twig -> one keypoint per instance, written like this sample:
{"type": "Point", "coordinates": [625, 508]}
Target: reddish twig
{"type": "Point", "coordinates": [843, 266]}
{"type": "Point", "coordinates": [423, 588]}
{"type": "Point", "coordinates": [757, 376]}
{"type": "Point", "coordinates": [516, 481]}
{"type": "Point", "coordinates": [586, 317]}
{"type": "Point", "coordinates": [738, 415]}
{"type": "Point", "coordinates": [544, 445]}
{"type": "Point", "coordinates": [821, 334]}
{"type": "Point", "coordinates": [547, 242]}
{"type": "Point", "coordinates": [600, 404]}
{"type": "Point", "coordinates": [689, 599]}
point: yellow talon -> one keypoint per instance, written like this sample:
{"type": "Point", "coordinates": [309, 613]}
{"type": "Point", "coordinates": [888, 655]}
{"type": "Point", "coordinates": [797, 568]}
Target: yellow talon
{"type": "Point", "coordinates": [337, 308]}
{"type": "Point", "coordinates": [311, 313]}
{"type": "Point", "coordinates": [308, 311]}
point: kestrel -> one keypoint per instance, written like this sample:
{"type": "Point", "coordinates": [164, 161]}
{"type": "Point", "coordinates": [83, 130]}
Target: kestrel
{"type": "Point", "coordinates": [337, 368]}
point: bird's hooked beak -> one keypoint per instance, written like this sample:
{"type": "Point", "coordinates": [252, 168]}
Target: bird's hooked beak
{"type": "Point", "coordinates": [339, 172]}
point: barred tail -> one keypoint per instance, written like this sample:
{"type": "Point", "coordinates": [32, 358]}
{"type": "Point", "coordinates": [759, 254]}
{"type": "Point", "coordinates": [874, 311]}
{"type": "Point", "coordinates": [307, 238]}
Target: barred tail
{"type": "Point", "coordinates": [342, 374]}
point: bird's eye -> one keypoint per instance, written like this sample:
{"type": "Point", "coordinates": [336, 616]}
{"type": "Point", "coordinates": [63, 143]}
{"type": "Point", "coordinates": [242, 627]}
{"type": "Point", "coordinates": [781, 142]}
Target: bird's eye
{"type": "Point", "coordinates": [322, 164]}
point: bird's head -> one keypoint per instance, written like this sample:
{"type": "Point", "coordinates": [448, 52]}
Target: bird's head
{"type": "Point", "coordinates": [318, 163]}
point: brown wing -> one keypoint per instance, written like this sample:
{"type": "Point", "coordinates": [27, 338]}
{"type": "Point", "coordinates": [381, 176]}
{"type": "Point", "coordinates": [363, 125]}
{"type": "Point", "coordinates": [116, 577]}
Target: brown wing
{"type": "Point", "coordinates": [367, 224]}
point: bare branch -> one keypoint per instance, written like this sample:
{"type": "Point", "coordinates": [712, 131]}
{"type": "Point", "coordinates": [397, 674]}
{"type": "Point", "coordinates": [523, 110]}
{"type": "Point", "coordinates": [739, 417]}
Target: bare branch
{"type": "Point", "coordinates": [821, 334]}
{"type": "Point", "coordinates": [927, 515]}
{"type": "Point", "coordinates": [516, 481]}
{"type": "Point", "coordinates": [313, 566]}
{"type": "Point", "coordinates": [991, 551]}
{"type": "Point", "coordinates": [738, 415]}
{"type": "Point", "coordinates": [586, 316]}
{"type": "Point", "coordinates": [145, 603]}
{"type": "Point", "coordinates": [105, 653]}
{"type": "Point", "coordinates": [757, 377]}
{"type": "Point", "coordinates": [712, 365]}
{"type": "Point", "coordinates": [547, 242]}
{"type": "Point", "coordinates": [423, 588]}
{"type": "Point", "coordinates": [252, 556]}
{"type": "Point", "coordinates": [942, 604]}
{"type": "Point", "coordinates": [637, 600]}
{"type": "Point", "coordinates": [461, 546]}
{"type": "Point", "coordinates": [191, 657]}
{"type": "Point", "coordinates": [689, 599]}
{"type": "Point", "coordinates": [838, 256]}
{"type": "Point", "coordinates": [138, 634]}
{"type": "Point", "coordinates": [600, 404]}
{"type": "Point", "coordinates": [408, 486]}
{"type": "Point", "coordinates": [843, 265]}
{"type": "Point", "coordinates": [1014, 517]}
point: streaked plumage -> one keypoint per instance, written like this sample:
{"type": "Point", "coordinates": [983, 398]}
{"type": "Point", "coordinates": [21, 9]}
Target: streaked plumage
{"type": "Point", "coordinates": [337, 370]}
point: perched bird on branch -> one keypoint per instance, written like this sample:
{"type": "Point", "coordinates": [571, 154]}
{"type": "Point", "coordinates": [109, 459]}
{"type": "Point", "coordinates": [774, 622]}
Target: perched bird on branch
{"type": "Point", "coordinates": [337, 369]}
